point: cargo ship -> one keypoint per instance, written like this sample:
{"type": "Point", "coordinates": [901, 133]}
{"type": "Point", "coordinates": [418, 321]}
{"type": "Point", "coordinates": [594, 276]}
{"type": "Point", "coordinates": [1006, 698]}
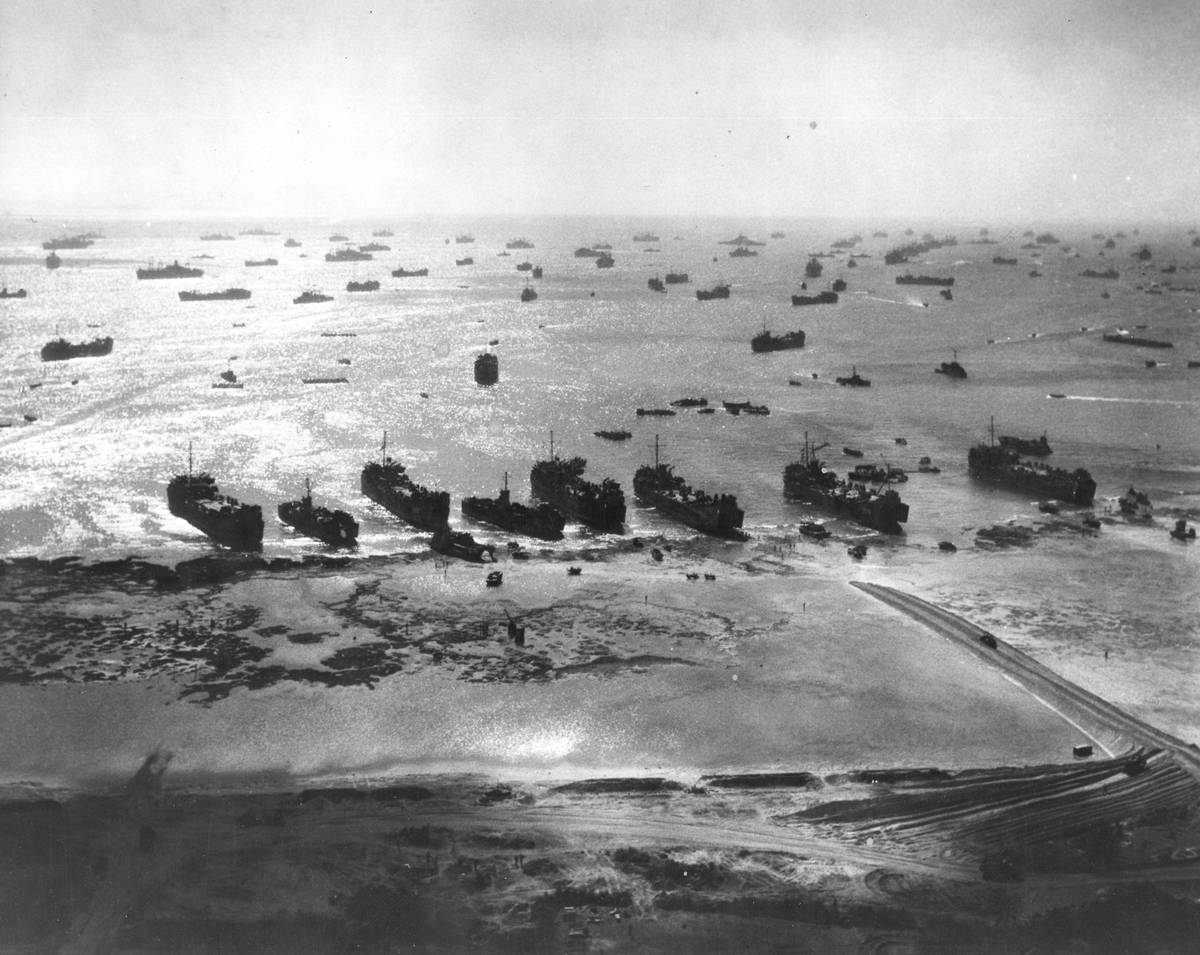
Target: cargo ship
{"type": "Point", "coordinates": [487, 369]}
{"type": "Point", "coordinates": [197, 499]}
{"type": "Point", "coordinates": [348, 255]}
{"type": "Point", "coordinates": [229, 294]}
{"type": "Point", "coordinates": [808, 481]}
{"type": "Point", "coordinates": [259, 263]}
{"type": "Point", "coordinates": [335, 528]}
{"type": "Point", "coordinates": [660, 487]}
{"type": "Point", "coordinates": [403, 273]}
{"type": "Point", "coordinates": [541, 521]}
{"type": "Point", "coordinates": [821, 298]}
{"type": "Point", "coordinates": [60, 349]}
{"type": "Point", "coordinates": [67, 242]}
{"type": "Point", "coordinates": [924, 280]}
{"type": "Point", "coordinates": [765, 341]}
{"type": "Point", "coordinates": [1001, 465]}
{"type": "Point", "coordinates": [717, 291]}
{"type": "Point", "coordinates": [386, 482]}
{"type": "Point", "coordinates": [559, 482]}
{"type": "Point", "coordinates": [310, 297]}
{"type": "Point", "coordinates": [172, 271]}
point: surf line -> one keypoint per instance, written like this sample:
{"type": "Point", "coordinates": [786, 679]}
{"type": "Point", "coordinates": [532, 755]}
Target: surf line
{"type": "Point", "coordinates": [1140, 401]}
{"type": "Point", "coordinates": [1057, 712]}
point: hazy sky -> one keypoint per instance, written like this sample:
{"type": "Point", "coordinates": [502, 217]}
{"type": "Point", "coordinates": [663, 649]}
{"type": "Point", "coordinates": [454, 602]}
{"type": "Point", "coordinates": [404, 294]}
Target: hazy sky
{"type": "Point", "coordinates": [983, 110]}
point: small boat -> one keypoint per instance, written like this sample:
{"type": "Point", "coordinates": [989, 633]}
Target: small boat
{"type": "Point", "coordinates": [462, 545]}
{"type": "Point", "coordinates": [325, 381]}
{"type": "Point", "coordinates": [494, 578]}
{"type": "Point", "coordinates": [467, 261]}
{"type": "Point", "coordinates": [946, 546]}
{"type": "Point", "coordinates": [370, 285]}
{"type": "Point", "coordinates": [528, 294]}
{"type": "Point", "coordinates": [925, 466]}
{"type": "Point", "coordinates": [815, 530]}
{"type": "Point", "coordinates": [854, 380]}
{"type": "Point", "coordinates": [403, 273]}
{"type": "Point", "coordinates": [310, 297]}
{"type": "Point", "coordinates": [18, 293]}
{"type": "Point", "coordinates": [260, 263]}
{"type": "Point", "coordinates": [655, 412]}
{"type": "Point", "coordinates": [613, 435]}
{"type": "Point", "coordinates": [656, 284]}
{"type": "Point", "coordinates": [858, 551]}
{"type": "Point", "coordinates": [716, 292]}
{"type": "Point", "coordinates": [689, 403]}
{"type": "Point", "coordinates": [1182, 532]}
{"type": "Point", "coordinates": [852, 452]}
{"type": "Point", "coordinates": [574, 571]}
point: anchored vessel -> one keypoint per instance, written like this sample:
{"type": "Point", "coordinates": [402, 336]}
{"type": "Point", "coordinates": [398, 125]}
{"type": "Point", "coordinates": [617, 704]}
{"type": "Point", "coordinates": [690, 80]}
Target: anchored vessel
{"type": "Point", "coordinates": [60, 349]}
{"type": "Point", "coordinates": [370, 285]}
{"type": "Point", "coordinates": [387, 483]}
{"type": "Point", "coordinates": [559, 481]}
{"type": "Point", "coordinates": [487, 369]}
{"type": "Point", "coordinates": [821, 298]}
{"type": "Point", "coordinates": [541, 521]}
{"type": "Point", "coordinates": [952, 369]}
{"type": "Point", "coordinates": [16, 293]}
{"type": "Point", "coordinates": [228, 294]}
{"type": "Point", "coordinates": [403, 273]}
{"type": "Point", "coordinates": [197, 499]}
{"type": "Point", "coordinates": [335, 528]}
{"type": "Point", "coordinates": [809, 481]}
{"type": "Point", "coordinates": [310, 297]}
{"type": "Point", "coordinates": [1001, 465]}
{"type": "Point", "coordinates": [659, 486]}
{"type": "Point", "coordinates": [172, 271]}
{"type": "Point", "coordinates": [924, 280]}
{"type": "Point", "coordinates": [717, 291]}
{"type": "Point", "coordinates": [348, 255]}
{"type": "Point", "coordinates": [260, 263]}
{"type": "Point", "coordinates": [68, 242]}
{"type": "Point", "coordinates": [765, 341]}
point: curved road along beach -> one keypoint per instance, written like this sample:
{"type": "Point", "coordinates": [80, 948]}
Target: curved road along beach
{"type": "Point", "coordinates": [1089, 712]}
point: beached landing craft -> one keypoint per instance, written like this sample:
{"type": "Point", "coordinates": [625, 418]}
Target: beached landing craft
{"type": "Point", "coordinates": [197, 499]}
{"type": "Point", "coordinates": [559, 481]}
{"type": "Point", "coordinates": [387, 483]}
{"type": "Point", "coordinates": [1000, 465]}
{"type": "Point", "coordinates": [808, 481]}
{"type": "Point", "coordinates": [335, 528]}
{"type": "Point", "coordinates": [659, 487]}
{"type": "Point", "coordinates": [541, 521]}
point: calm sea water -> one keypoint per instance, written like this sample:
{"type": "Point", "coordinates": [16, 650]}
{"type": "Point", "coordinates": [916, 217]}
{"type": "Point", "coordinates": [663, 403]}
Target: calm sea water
{"type": "Point", "coordinates": [89, 475]}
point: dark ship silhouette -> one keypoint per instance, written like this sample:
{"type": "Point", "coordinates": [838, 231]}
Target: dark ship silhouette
{"type": "Point", "coordinates": [765, 341]}
{"type": "Point", "coordinates": [660, 487]}
{"type": "Point", "coordinates": [951, 369]}
{"type": "Point", "coordinates": [60, 349]}
{"type": "Point", "coordinates": [403, 273]}
{"type": "Point", "coordinates": [229, 294]}
{"type": "Point", "coordinates": [542, 521]}
{"type": "Point", "coordinates": [53, 261]}
{"type": "Point", "coordinates": [1001, 465]}
{"type": "Point", "coordinates": [335, 528]}
{"type": "Point", "coordinates": [559, 482]}
{"type": "Point", "coordinates": [17, 293]}
{"type": "Point", "coordinates": [370, 285]}
{"type": "Point", "coordinates": [923, 280]}
{"type": "Point", "coordinates": [809, 481]}
{"type": "Point", "coordinates": [487, 369]}
{"type": "Point", "coordinates": [717, 291]}
{"type": "Point", "coordinates": [462, 545]}
{"type": "Point", "coordinates": [172, 271]}
{"type": "Point", "coordinates": [68, 242]}
{"type": "Point", "coordinates": [197, 499]}
{"type": "Point", "coordinates": [348, 255]}
{"type": "Point", "coordinates": [821, 298]}
{"type": "Point", "coordinates": [387, 483]}
{"type": "Point", "coordinates": [813, 268]}
{"type": "Point", "coordinates": [310, 297]}
{"type": "Point", "coordinates": [259, 263]}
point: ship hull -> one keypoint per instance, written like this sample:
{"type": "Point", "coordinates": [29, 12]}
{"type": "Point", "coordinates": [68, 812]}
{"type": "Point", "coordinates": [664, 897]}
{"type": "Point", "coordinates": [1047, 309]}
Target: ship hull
{"type": "Point", "coordinates": [543, 522]}
{"type": "Point", "coordinates": [224, 519]}
{"type": "Point", "coordinates": [577, 499]}
{"type": "Point", "coordinates": [335, 528]}
{"type": "Point", "coordinates": [882, 511]}
{"type": "Point", "coordinates": [1003, 467]}
{"type": "Point", "coordinates": [428, 510]}
{"type": "Point", "coordinates": [713, 519]}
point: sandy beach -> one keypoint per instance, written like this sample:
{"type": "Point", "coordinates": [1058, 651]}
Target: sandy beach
{"type": "Point", "coordinates": [740, 741]}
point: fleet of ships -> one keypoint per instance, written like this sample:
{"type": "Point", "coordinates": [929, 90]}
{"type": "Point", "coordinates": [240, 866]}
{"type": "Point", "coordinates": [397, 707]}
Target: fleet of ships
{"type": "Point", "coordinates": [563, 494]}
